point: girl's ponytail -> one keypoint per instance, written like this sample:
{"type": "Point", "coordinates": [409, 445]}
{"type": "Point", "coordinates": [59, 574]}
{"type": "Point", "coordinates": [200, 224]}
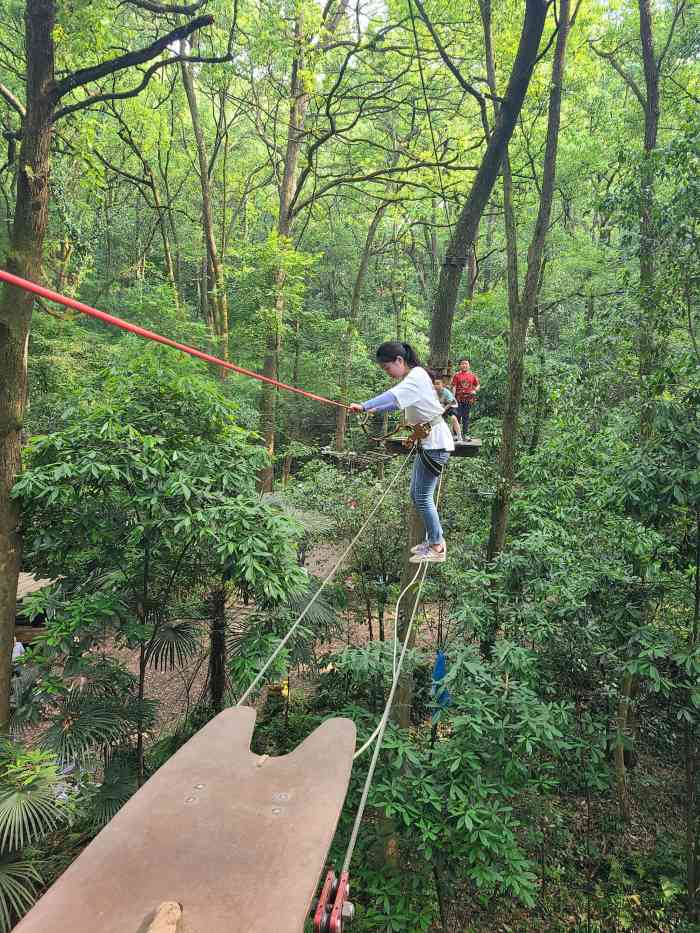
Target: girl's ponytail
{"type": "Point", "coordinates": [388, 351]}
{"type": "Point", "coordinates": [411, 357]}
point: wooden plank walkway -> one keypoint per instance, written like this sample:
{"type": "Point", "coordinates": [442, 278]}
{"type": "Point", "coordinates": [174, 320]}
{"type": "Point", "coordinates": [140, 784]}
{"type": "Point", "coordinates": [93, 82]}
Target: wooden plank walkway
{"type": "Point", "coordinates": [238, 840]}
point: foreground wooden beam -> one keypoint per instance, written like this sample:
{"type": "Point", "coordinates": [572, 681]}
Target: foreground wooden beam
{"type": "Point", "coordinates": [235, 841]}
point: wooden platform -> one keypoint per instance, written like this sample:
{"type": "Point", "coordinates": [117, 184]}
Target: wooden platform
{"type": "Point", "coordinates": [28, 584]}
{"type": "Point", "coordinates": [470, 448]}
{"type": "Point", "coordinates": [26, 631]}
{"type": "Point", "coordinates": [238, 840]}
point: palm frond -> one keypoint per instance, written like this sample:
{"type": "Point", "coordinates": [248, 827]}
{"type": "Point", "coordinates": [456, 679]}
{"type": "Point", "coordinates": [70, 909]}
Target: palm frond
{"type": "Point", "coordinates": [106, 677]}
{"type": "Point", "coordinates": [313, 523]}
{"type": "Point", "coordinates": [173, 645]}
{"type": "Point", "coordinates": [26, 711]}
{"type": "Point", "coordinates": [138, 712]}
{"type": "Point", "coordinates": [19, 879]}
{"type": "Point", "coordinates": [118, 785]}
{"type": "Point", "coordinates": [26, 814]}
{"type": "Point", "coordinates": [321, 616]}
{"type": "Point", "coordinates": [84, 725]}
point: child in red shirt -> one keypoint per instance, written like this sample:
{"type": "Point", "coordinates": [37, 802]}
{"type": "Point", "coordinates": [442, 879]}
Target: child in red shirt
{"type": "Point", "coordinates": [465, 384]}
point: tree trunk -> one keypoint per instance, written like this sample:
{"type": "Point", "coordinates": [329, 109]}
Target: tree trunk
{"type": "Point", "coordinates": [294, 431]}
{"type": "Point", "coordinates": [163, 227]}
{"type": "Point", "coordinates": [501, 503]}
{"type": "Point", "coordinates": [219, 301]}
{"type": "Point", "coordinates": [487, 264]}
{"type": "Point", "coordinates": [342, 416]}
{"type": "Point", "coordinates": [217, 649]}
{"type": "Point", "coordinates": [24, 259]}
{"type": "Point", "coordinates": [522, 308]}
{"type": "Point", "coordinates": [65, 251]}
{"type": "Point", "coordinates": [471, 270]}
{"type": "Point", "coordinates": [401, 710]}
{"type": "Point", "coordinates": [623, 709]}
{"type": "Point", "coordinates": [299, 103]}
{"type": "Point", "coordinates": [140, 758]}
{"type": "Point", "coordinates": [470, 215]}
{"type": "Point", "coordinates": [541, 393]}
{"type": "Point", "coordinates": [648, 349]}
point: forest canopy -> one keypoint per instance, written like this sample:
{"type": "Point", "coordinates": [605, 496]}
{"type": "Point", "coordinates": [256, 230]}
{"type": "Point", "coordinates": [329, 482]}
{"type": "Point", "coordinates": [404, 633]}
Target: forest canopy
{"type": "Point", "coordinates": [285, 185]}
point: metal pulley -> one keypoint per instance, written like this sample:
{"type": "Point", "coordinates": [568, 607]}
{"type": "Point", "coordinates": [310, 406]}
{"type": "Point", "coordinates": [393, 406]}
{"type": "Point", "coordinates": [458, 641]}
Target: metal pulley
{"type": "Point", "coordinates": [333, 909]}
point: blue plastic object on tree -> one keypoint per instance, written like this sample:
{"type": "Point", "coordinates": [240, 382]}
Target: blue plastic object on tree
{"type": "Point", "coordinates": [441, 694]}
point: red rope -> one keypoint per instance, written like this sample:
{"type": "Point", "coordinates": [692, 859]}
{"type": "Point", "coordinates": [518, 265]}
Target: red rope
{"type": "Point", "coordinates": [151, 335]}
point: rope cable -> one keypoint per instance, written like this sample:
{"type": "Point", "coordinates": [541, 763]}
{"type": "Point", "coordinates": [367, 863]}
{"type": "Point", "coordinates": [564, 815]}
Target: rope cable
{"type": "Point", "coordinates": [113, 321]}
{"type": "Point", "coordinates": [326, 580]}
{"type": "Point", "coordinates": [395, 671]}
{"type": "Point", "coordinates": [378, 733]}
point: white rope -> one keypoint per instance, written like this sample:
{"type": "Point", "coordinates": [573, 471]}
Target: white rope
{"type": "Point", "coordinates": [378, 734]}
{"type": "Point", "coordinates": [395, 671]}
{"type": "Point", "coordinates": [327, 579]}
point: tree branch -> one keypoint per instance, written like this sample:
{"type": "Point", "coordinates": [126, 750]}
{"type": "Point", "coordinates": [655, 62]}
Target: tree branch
{"type": "Point", "coordinates": [463, 83]}
{"type": "Point", "coordinates": [114, 95]}
{"type": "Point", "coordinates": [10, 99]}
{"type": "Point", "coordinates": [129, 59]}
{"type": "Point", "coordinates": [677, 13]}
{"type": "Point", "coordinates": [162, 8]}
{"type": "Point", "coordinates": [684, 89]}
{"type": "Point", "coordinates": [628, 79]}
{"type": "Point", "coordinates": [548, 46]}
{"type": "Point", "coordinates": [380, 175]}
{"type": "Point", "coordinates": [122, 172]}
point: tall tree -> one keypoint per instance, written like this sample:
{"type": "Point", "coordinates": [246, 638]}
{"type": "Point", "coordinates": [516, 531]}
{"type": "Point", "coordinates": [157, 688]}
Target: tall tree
{"type": "Point", "coordinates": [289, 191]}
{"type": "Point", "coordinates": [465, 230]}
{"type": "Point", "coordinates": [460, 243]}
{"type": "Point", "coordinates": [522, 307]}
{"type": "Point", "coordinates": [647, 340]}
{"type": "Point", "coordinates": [39, 113]}
{"type": "Point", "coordinates": [650, 101]}
{"type": "Point", "coordinates": [218, 299]}
{"type": "Point", "coordinates": [346, 360]}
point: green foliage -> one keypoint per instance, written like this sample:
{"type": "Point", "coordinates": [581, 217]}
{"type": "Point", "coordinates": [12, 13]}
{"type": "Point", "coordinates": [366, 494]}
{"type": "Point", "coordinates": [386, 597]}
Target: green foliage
{"type": "Point", "coordinates": [29, 810]}
{"type": "Point", "coordinates": [139, 492]}
{"type": "Point", "coordinates": [27, 807]}
{"type": "Point", "coordinates": [19, 881]}
{"type": "Point", "coordinates": [141, 502]}
{"type": "Point", "coordinates": [101, 802]}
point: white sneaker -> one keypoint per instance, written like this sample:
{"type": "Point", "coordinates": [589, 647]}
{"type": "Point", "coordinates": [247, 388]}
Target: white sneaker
{"type": "Point", "coordinates": [417, 548]}
{"type": "Point", "coordinates": [430, 556]}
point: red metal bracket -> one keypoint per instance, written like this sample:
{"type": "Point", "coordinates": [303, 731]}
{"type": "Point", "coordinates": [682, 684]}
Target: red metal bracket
{"type": "Point", "coordinates": [333, 906]}
{"type": "Point", "coordinates": [340, 911]}
{"type": "Point", "coordinates": [325, 903]}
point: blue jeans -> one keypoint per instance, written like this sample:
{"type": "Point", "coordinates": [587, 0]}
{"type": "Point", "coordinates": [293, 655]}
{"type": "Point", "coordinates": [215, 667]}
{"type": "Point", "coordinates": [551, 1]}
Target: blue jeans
{"type": "Point", "coordinates": [423, 484]}
{"type": "Point", "coordinates": [463, 413]}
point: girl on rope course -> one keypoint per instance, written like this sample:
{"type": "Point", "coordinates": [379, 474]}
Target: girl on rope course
{"type": "Point", "coordinates": [415, 393]}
